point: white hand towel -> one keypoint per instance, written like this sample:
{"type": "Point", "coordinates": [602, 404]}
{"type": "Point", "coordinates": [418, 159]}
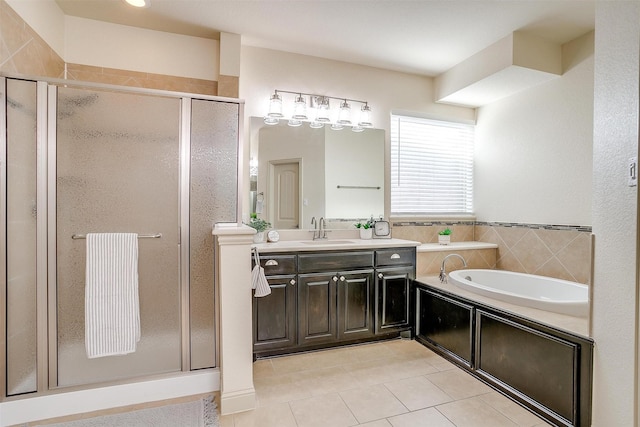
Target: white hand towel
{"type": "Point", "coordinates": [258, 279]}
{"type": "Point", "coordinates": [112, 312]}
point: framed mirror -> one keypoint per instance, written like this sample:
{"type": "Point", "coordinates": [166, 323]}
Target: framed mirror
{"type": "Point", "coordinates": [298, 173]}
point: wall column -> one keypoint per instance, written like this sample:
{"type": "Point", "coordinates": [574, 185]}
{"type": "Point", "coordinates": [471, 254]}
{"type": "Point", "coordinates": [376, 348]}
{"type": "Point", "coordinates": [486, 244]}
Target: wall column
{"type": "Point", "coordinates": [615, 213]}
{"type": "Point", "coordinates": [229, 75]}
{"type": "Point", "coordinates": [233, 275]}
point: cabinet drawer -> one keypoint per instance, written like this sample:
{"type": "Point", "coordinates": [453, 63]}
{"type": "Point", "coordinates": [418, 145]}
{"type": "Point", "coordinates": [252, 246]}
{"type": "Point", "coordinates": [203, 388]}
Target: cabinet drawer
{"type": "Point", "coordinates": [278, 264]}
{"type": "Point", "coordinates": [334, 261]}
{"type": "Point", "coordinates": [398, 256]}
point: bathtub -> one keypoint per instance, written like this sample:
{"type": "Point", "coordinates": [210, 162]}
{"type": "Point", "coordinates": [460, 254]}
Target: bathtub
{"type": "Point", "coordinates": [545, 293]}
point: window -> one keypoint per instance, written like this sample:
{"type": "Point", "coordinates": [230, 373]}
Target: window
{"type": "Point", "coordinates": [431, 167]}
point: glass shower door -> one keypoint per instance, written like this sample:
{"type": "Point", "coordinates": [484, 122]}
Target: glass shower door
{"type": "Point", "coordinates": [117, 170]}
{"type": "Point", "coordinates": [21, 230]}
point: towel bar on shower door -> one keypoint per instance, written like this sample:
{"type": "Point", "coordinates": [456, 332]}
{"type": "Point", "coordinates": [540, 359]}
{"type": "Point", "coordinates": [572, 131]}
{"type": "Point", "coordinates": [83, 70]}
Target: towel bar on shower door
{"type": "Point", "coordinates": [140, 236]}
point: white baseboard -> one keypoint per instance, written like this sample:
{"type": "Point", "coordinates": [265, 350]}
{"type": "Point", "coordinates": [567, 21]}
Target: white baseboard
{"type": "Point", "coordinates": [76, 402]}
{"type": "Point", "coordinates": [237, 401]}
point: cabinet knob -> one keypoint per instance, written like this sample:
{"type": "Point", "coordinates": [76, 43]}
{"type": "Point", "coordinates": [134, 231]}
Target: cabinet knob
{"type": "Point", "coordinates": [380, 276]}
{"type": "Point", "coordinates": [342, 278]}
{"type": "Point", "coordinates": [395, 256]}
{"type": "Point", "coordinates": [271, 262]}
{"type": "Point", "coordinates": [292, 282]}
{"type": "Point", "coordinates": [335, 279]}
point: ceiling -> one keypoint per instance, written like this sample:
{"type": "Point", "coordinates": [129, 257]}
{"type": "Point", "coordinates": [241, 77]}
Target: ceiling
{"type": "Point", "coordinates": [425, 37]}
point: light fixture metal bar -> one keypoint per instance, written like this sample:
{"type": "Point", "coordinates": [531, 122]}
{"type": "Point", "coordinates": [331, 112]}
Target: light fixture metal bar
{"type": "Point", "coordinates": [318, 95]}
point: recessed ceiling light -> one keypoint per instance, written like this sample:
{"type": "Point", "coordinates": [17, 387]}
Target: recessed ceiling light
{"type": "Point", "coordinates": [138, 3]}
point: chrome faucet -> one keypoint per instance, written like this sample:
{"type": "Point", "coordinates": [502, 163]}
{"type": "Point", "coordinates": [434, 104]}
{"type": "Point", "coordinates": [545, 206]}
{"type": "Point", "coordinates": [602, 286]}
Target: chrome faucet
{"type": "Point", "coordinates": [322, 231]}
{"type": "Point", "coordinates": [315, 227]}
{"type": "Point", "coordinates": [443, 273]}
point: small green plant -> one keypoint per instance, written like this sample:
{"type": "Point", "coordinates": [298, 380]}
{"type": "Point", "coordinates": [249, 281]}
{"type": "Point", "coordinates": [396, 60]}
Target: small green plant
{"type": "Point", "coordinates": [445, 232]}
{"type": "Point", "coordinates": [366, 225]}
{"type": "Point", "coordinates": [258, 223]}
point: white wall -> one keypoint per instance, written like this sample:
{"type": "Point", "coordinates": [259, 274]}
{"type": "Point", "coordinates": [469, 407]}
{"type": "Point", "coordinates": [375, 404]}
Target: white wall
{"type": "Point", "coordinates": [102, 44]}
{"type": "Point", "coordinates": [615, 289]}
{"type": "Point", "coordinates": [263, 71]}
{"type": "Point", "coordinates": [533, 158]}
{"type": "Point", "coordinates": [46, 18]}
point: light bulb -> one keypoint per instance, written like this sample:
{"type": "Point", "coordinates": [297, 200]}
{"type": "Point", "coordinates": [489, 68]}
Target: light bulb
{"type": "Point", "coordinates": [344, 116]}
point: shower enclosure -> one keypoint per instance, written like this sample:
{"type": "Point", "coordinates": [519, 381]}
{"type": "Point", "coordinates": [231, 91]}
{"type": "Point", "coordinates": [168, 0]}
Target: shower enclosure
{"type": "Point", "coordinates": [78, 159]}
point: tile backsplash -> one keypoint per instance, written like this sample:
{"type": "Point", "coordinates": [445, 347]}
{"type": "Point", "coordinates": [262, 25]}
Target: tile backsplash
{"type": "Point", "coordinates": [563, 252]}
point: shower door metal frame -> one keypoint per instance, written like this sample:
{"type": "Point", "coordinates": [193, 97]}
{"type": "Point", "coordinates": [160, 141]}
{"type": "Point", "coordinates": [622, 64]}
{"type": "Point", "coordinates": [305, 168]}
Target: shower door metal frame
{"type": "Point", "coordinates": [3, 234]}
{"type": "Point", "coordinates": [46, 274]}
{"type": "Point", "coordinates": [41, 233]}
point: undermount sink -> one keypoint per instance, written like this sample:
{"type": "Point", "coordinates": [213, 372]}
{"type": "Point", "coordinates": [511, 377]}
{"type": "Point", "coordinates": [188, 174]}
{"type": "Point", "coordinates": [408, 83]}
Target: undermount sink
{"type": "Point", "coordinates": [327, 242]}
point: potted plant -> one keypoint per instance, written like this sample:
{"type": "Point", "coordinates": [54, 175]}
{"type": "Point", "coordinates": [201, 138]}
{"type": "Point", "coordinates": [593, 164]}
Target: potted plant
{"type": "Point", "coordinates": [260, 226]}
{"type": "Point", "coordinates": [444, 236]}
{"type": "Point", "coordinates": [366, 232]}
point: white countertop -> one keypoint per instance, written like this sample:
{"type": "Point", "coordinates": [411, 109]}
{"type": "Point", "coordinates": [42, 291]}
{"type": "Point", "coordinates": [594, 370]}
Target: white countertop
{"type": "Point", "coordinates": [332, 244]}
{"type": "Point", "coordinates": [576, 325]}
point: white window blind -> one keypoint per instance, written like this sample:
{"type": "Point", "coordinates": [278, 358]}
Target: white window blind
{"type": "Point", "coordinates": [431, 167]}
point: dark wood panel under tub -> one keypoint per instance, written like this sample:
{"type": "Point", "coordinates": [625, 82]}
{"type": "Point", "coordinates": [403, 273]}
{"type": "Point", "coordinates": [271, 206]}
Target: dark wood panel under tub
{"type": "Point", "coordinates": [545, 369]}
{"type": "Point", "coordinates": [447, 324]}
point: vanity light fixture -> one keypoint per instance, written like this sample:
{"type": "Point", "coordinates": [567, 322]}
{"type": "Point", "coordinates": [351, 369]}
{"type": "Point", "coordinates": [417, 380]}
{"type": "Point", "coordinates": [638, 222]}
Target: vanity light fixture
{"type": "Point", "coordinates": [344, 115]}
{"type": "Point", "coordinates": [318, 112]}
{"type": "Point", "coordinates": [138, 3]}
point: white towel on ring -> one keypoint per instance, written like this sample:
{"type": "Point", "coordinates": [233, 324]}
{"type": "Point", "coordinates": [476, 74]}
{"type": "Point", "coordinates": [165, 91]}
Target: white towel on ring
{"type": "Point", "coordinates": [258, 279]}
{"type": "Point", "coordinates": [112, 311]}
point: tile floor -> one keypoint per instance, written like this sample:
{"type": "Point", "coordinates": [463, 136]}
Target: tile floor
{"type": "Point", "coordinates": [397, 383]}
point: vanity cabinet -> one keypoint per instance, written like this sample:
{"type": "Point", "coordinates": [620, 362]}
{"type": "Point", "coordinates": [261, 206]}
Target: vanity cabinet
{"type": "Point", "coordinates": [274, 316]}
{"type": "Point", "coordinates": [395, 269]}
{"type": "Point", "coordinates": [335, 304]}
{"type": "Point", "coordinates": [327, 298]}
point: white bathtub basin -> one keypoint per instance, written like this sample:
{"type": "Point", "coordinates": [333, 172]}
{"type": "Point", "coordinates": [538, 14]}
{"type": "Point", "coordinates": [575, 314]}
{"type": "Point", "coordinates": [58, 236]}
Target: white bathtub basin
{"type": "Point", "coordinates": [545, 293]}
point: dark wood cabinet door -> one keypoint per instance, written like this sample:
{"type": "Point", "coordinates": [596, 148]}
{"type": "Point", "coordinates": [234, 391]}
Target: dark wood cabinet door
{"type": "Point", "coordinates": [392, 298]}
{"type": "Point", "coordinates": [355, 304]}
{"type": "Point", "coordinates": [446, 324]}
{"type": "Point", "coordinates": [317, 308]}
{"type": "Point", "coordinates": [274, 316]}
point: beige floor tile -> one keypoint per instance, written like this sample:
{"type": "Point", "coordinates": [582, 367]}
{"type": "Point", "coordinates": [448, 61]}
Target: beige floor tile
{"type": "Point", "coordinates": [322, 411]}
{"type": "Point", "coordinates": [294, 363]}
{"type": "Point", "coordinates": [458, 384]}
{"type": "Point", "coordinates": [263, 369]}
{"type": "Point", "coordinates": [378, 423]}
{"type": "Point", "coordinates": [372, 403]}
{"type": "Point", "coordinates": [424, 418]}
{"type": "Point", "coordinates": [405, 347]}
{"type": "Point", "coordinates": [512, 410]}
{"type": "Point", "coordinates": [474, 412]}
{"type": "Point", "coordinates": [370, 352]}
{"type": "Point", "coordinates": [414, 367]}
{"type": "Point", "coordinates": [326, 380]}
{"type": "Point", "coordinates": [418, 393]}
{"type": "Point", "coordinates": [278, 415]}
{"type": "Point", "coordinates": [226, 421]}
{"type": "Point", "coordinates": [281, 389]}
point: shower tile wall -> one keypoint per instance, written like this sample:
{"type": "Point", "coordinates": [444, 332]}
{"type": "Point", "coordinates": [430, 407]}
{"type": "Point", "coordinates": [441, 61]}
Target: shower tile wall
{"type": "Point", "coordinates": [552, 251]}
{"type": "Point", "coordinates": [23, 51]}
{"type": "Point", "coordinates": [114, 76]}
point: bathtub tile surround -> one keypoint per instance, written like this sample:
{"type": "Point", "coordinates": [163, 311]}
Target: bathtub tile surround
{"type": "Point", "coordinates": [429, 263]}
{"type": "Point", "coordinates": [427, 232]}
{"type": "Point", "coordinates": [559, 251]}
